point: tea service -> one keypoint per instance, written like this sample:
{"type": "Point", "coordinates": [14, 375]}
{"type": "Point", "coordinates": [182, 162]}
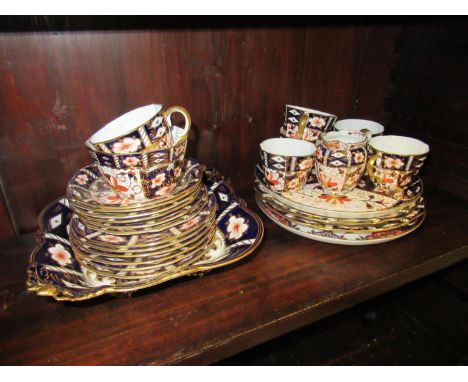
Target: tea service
{"type": "Point", "coordinates": [363, 188]}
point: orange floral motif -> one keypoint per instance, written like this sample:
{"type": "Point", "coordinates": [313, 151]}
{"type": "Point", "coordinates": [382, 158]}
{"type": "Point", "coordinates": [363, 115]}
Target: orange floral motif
{"type": "Point", "coordinates": [111, 239]}
{"type": "Point", "coordinates": [60, 254]}
{"type": "Point", "coordinates": [82, 179]}
{"type": "Point", "coordinates": [327, 181]}
{"type": "Point", "coordinates": [117, 186]}
{"type": "Point", "coordinates": [131, 161]}
{"type": "Point", "coordinates": [158, 180]}
{"type": "Point", "coordinates": [190, 223]}
{"type": "Point", "coordinates": [393, 162]}
{"type": "Point", "coordinates": [126, 145]}
{"type": "Point", "coordinates": [334, 199]}
{"type": "Point", "coordinates": [166, 189]}
{"type": "Point", "coordinates": [236, 227]}
{"type": "Point", "coordinates": [318, 122]}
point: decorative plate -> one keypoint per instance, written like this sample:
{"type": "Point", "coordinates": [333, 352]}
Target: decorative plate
{"type": "Point", "coordinates": [363, 202]}
{"type": "Point", "coordinates": [54, 270]}
{"type": "Point", "coordinates": [406, 217]}
{"type": "Point", "coordinates": [338, 236]}
{"type": "Point", "coordinates": [89, 190]}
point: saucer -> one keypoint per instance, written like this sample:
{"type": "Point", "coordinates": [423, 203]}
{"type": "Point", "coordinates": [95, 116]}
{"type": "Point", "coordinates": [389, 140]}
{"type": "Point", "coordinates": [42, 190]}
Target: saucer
{"type": "Point", "coordinates": [343, 237]}
{"type": "Point", "coordinates": [54, 270]}
{"type": "Point", "coordinates": [90, 191]}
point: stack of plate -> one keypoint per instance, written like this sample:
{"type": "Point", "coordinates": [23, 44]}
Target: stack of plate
{"type": "Point", "coordinates": [131, 240]}
{"type": "Point", "coordinates": [363, 216]}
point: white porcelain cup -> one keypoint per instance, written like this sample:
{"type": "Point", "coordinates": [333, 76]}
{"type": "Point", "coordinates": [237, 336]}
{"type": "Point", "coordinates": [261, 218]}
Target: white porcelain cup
{"type": "Point", "coordinates": [148, 127]}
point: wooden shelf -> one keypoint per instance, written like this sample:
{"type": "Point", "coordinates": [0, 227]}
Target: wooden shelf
{"type": "Point", "coordinates": [288, 283]}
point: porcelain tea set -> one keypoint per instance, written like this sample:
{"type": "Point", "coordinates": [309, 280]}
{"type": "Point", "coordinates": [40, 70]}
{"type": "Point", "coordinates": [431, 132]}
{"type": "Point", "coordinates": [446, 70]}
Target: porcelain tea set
{"type": "Point", "coordinates": [341, 182]}
{"type": "Point", "coordinates": [140, 215]}
{"type": "Point", "coordinates": [143, 213]}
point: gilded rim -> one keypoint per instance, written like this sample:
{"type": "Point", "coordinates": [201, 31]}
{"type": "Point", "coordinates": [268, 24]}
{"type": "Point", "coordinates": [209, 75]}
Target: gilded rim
{"type": "Point", "coordinates": [174, 212]}
{"type": "Point", "coordinates": [137, 206]}
{"type": "Point", "coordinates": [85, 258]}
{"type": "Point", "coordinates": [142, 212]}
{"type": "Point", "coordinates": [341, 230]}
{"type": "Point", "coordinates": [162, 242]}
{"type": "Point", "coordinates": [147, 252]}
{"type": "Point", "coordinates": [331, 220]}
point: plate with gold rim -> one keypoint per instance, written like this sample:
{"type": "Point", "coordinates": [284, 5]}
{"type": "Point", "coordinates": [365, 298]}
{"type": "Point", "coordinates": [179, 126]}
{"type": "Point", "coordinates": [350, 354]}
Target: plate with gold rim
{"type": "Point", "coordinates": [338, 237]}
{"type": "Point", "coordinates": [131, 272]}
{"type": "Point", "coordinates": [89, 189]}
{"type": "Point", "coordinates": [122, 246]}
{"type": "Point", "coordinates": [403, 217]}
{"type": "Point", "coordinates": [202, 209]}
{"type": "Point", "coordinates": [199, 203]}
{"type": "Point", "coordinates": [409, 220]}
{"type": "Point", "coordinates": [54, 270]}
{"type": "Point", "coordinates": [363, 202]}
{"type": "Point", "coordinates": [156, 212]}
{"type": "Point", "coordinates": [124, 243]}
{"type": "Point", "coordinates": [108, 256]}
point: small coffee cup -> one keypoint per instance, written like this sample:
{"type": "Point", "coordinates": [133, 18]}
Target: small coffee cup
{"type": "Point", "coordinates": [286, 163]}
{"type": "Point", "coordinates": [363, 125]}
{"type": "Point", "coordinates": [147, 127]}
{"type": "Point", "coordinates": [306, 124]}
{"type": "Point", "coordinates": [394, 160]}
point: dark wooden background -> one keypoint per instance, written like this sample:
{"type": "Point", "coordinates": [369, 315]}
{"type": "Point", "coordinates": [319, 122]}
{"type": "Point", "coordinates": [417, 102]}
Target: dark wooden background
{"type": "Point", "coordinates": [59, 86]}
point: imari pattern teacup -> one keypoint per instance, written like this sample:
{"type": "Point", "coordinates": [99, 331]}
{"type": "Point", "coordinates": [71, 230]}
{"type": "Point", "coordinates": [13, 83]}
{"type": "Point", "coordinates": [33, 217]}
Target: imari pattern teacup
{"type": "Point", "coordinates": [340, 160]}
{"type": "Point", "coordinates": [148, 127]}
{"type": "Point", "coordinates": [306, 124]}
{"type": "Point", "coordinates": [362, 125]}
{"type": "Point", "coordinates": [395, 160]}
{"type": "Point", "coordinates": [286, 163]}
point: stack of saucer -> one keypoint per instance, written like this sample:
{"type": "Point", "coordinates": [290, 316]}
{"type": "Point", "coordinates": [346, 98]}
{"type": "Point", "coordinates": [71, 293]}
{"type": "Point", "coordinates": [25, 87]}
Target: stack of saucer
{"type": "Point", "coordinates": [141, 210]}
{"type": "Point", "coordinates": [362, 216]}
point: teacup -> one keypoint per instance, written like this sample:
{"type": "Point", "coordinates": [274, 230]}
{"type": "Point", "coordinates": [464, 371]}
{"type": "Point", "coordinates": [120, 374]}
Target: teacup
{"type": "Point", "coordinates": [340, 160]}
{"type": "Point", "coordinates": [359, 125]}
{"type": "Point", "coordinates": [147, 127]}
{"type": "Point", "coordinates": [286, 163]}
{"type": "Point", "coordinates": [143, 159]}
{"type": "Point", "coordinates": [306, 124]}
{"type": "Point", "coordinates": [395, 160]}
{"type": "Point", "coordinates": [138, 175]}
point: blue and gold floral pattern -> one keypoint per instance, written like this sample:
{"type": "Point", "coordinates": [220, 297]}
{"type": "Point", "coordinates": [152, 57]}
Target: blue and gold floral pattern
{"type": "Point", "coordinates": [54, 271]}
{"type": "Point", "coordinates": [317, 123]}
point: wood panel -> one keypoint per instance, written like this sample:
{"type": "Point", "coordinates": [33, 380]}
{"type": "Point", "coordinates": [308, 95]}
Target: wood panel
{"type": "Point", "coordinates": [427, 97]}
{"type": "Point", "coordinates": [288, 283]}
{"type": "Point", "coordinates": [57, 88]}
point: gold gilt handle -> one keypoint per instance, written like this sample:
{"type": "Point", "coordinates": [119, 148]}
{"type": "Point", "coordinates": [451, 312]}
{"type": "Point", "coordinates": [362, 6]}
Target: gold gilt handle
{"type": "Point", "coordinates": [302, 125]}
{"type": "Point", "coordinates": [370, 165]}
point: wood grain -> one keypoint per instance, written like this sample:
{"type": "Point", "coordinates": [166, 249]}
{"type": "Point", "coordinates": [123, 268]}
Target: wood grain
{"type": "Point", "coordinates": [57, 88]}
{"type": "Point", "coordinates": [288, 283]}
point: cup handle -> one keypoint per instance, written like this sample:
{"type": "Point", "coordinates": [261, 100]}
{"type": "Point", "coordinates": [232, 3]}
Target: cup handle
{"type": "Point", "coordinates": [367, 133]}
{"type": "Point", "coordinates": [302, 125]}
{"type": "Point", "coordinates": [370, 165]}
{"type": "Point", "coordinates": [188, 122]}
